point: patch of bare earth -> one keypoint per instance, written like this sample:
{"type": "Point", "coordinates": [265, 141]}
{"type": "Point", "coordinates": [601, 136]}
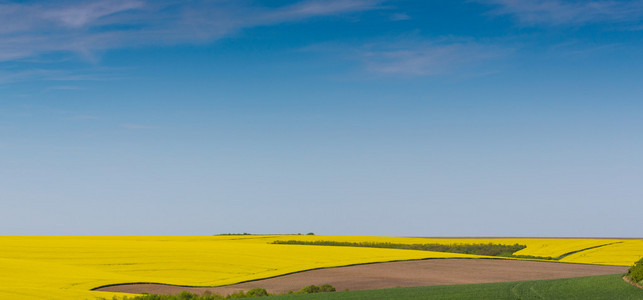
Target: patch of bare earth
{"type": "Point", "coordinates": [396, 274]}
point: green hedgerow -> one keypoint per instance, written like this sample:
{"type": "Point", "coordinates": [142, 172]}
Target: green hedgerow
{"type": "Point", "coordinates": [635, 273]}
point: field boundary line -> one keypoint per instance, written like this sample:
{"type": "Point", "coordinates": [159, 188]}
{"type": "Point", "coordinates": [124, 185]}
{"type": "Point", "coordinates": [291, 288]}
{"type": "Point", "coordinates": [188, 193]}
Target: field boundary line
{"type": "Point", "coordinates": [351, 265]}
{"type": "Point", "coordinates": [632, 282]}
{"type": "Point", "coordinates": [290, 273]}
{"type": "Point", "coordinates": [589, 248]}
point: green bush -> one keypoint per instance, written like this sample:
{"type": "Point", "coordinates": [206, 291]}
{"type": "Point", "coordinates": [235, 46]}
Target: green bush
{"type": "Point", "coordinates": [635, 273]}
{"type": "Point", "coordinates": [311, 289]}
{"type": "Point", "coordinates": [327, 288]}
{"type": "Point", "coordinates": [256, 292]}
{"type": "Point", "coordinates": [580, 288]}
{"type": "Point", "coordinates": [184, 295]}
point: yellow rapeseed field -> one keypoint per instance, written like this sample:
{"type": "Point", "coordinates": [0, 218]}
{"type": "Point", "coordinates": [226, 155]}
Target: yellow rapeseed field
{"type": "Point", "coordinates": [620, 253]}
{"type": "Point", "coordinates": [68, 267]}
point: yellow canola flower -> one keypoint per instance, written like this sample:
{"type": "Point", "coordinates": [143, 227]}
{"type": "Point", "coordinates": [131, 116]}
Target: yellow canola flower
{"type": "Point", "coordinates": [68, 267]}
{"type": "Point", "coordinates": [624, 253]}
{"type": "Point", "coordinates": [541, 247]}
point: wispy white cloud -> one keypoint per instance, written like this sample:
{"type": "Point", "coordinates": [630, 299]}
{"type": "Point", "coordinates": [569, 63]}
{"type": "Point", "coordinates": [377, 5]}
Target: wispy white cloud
{"type": "Point", "coordinates": [428, 57]}
{"type": "Point", "coordinates": [57, 75]}
{"type": "Point", "coordinates": [84, 27]}
{"type": "Point", "coordinates": [66, 88]}
{"type": "Point", "coordinates": [89, 13]}
{"type": "Point", "coordinates": [400, 17]}
{"type": "Point", "coordinates": [307, 9]}
{"type": "Point", "coordinates": [416, 56]}
{"type": "Point", "coordinates": [561, 12]}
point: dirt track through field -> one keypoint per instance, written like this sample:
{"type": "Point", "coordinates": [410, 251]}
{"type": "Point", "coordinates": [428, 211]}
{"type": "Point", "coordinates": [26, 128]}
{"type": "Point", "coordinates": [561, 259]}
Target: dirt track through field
{"type": "Point", "coordinates": [396, 274]}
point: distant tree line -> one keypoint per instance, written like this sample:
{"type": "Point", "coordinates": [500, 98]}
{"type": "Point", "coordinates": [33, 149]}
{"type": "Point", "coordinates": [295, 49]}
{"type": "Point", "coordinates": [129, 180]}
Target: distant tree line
{"type": "Point", "coordinates": [489, 249]}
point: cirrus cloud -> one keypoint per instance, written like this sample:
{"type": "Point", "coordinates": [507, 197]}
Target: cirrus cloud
{"type": "Point", "coordinates": [560, 12]}
{"type": "Point", "coordinates": [428, 57]}
{"type": "Point", "coordinates": [83, 27]}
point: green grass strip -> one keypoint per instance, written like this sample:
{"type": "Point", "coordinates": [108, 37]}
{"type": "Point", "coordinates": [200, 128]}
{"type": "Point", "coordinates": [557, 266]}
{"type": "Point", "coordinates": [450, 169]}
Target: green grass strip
{"type": "Point", "coordinates": [581, 288]}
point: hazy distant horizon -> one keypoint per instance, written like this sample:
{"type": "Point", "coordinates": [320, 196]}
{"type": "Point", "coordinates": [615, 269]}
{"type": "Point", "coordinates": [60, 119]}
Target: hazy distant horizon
{"type": "Point", "coordinates": [341, 117]}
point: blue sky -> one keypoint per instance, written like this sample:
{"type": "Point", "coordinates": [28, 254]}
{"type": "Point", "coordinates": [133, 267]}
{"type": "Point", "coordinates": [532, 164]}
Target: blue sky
{"type": "Point", "coordinates": [407, 118]}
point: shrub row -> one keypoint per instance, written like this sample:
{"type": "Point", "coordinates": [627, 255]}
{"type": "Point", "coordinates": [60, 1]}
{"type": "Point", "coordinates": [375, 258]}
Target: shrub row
{"type": "Point", "coordinates": [635, 273]}
{"type": "Point", "coordinates": [245, 233]}
{"type": "Point", "coordinates": [257, 292]}
{"type": "Point", "coordinates": [479, 249]}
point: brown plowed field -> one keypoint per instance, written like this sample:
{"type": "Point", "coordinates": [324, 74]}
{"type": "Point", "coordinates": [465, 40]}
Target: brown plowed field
{"type": "Point", "coordinates": [397, 274]}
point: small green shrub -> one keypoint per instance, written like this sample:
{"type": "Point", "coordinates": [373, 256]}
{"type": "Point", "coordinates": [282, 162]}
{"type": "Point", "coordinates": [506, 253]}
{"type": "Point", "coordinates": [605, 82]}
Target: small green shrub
{"type": "Point", "coordinates": [311, 289]}
{"type": "Point", "coordinates": [635, 273]}
{"type": "Point", "coordinates": [256, 292]}
{"type": "Point", "coordinates": [184, 295]}
{"type": "Point", "coordinates": [327, 288]}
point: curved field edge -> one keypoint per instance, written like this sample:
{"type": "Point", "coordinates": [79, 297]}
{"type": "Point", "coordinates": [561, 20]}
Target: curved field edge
{"type": "Point", "coordinates": [603, 251]}
{"type": "Point", "coordinates": [585, 288]}
{"type": "Point", "coordinates": [67, 267]}
{"type": "Point", "coordinates": [285, 274]}
{"type": "Point", "coordinates": [486, 249]}
{"type": "Point", "coordinates": [623, 254]}
{"type": "Point", "coordinates": [396, 274]}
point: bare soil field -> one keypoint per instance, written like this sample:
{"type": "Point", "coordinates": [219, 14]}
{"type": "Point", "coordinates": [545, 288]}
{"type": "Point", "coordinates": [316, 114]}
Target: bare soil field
{"type": "Point", "coordinates": [523, 237]}
{"type": "Point", "coordinates": [396, 274]}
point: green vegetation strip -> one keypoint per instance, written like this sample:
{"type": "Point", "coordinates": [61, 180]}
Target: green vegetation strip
{"type": "Point", "coordinates": [581, 288]}
{"type": "Point", "coordinates": [635, 273]}
{"type": "Point", "coordinates": [257, 292]}
{"type": "Point", "coordinates": [479, 249]}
